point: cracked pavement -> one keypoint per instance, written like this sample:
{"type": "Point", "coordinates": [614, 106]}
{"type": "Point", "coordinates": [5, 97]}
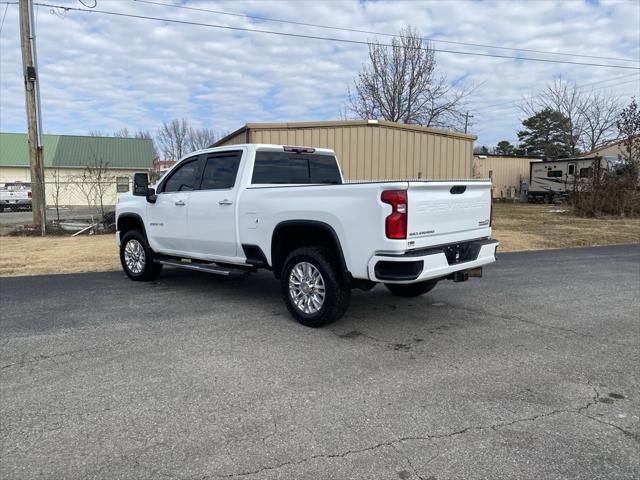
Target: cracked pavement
{"type": "Point", "coordinates": [530, 372]}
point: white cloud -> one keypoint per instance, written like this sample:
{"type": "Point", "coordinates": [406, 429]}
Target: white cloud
{"type": "Point", "coordinates": [101, 72]}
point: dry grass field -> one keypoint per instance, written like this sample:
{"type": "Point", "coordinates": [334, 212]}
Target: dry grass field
{"type": "Point", "coordinates": [39, 256]}
{"type": "Point", "coordinates": [517, 226]}
{"type": "Point", "coordinates": [536, 227]}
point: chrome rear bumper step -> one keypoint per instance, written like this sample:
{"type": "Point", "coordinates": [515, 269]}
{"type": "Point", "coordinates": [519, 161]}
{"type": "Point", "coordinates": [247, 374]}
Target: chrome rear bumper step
{"type": "Point", "coordinates": [203, 267]}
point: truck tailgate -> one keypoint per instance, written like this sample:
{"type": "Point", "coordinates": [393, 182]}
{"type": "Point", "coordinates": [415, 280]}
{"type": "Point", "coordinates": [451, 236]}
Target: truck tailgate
{"type": "Point", "coordinates": [447, 212]}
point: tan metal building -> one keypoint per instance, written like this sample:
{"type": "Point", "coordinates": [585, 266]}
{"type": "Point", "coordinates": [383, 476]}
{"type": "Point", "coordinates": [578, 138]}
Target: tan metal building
{"type": "Point", "coordinates": [506, 172]}
{"type": "Point", "coordinates": [372, 149]}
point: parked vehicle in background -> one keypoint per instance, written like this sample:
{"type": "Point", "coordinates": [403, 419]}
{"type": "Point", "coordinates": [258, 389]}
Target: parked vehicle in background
{"type": "Point", "coordinates": [232, 210]}
{"type": "Point", "coordinates": [552, 180]}
{"type": "Point", "coordinates": [15, 196]}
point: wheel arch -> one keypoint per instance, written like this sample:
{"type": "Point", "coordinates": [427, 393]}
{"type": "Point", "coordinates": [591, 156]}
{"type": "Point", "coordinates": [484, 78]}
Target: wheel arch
{"type": "Point", "coordinates": [130, 221]}
{"type": "Point", "coordinates": [291, 234]}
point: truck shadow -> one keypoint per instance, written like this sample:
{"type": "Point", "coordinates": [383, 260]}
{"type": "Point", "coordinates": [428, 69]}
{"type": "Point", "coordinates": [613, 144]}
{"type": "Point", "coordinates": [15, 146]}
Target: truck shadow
{"type": "Point", "coordinates": [404, 320]}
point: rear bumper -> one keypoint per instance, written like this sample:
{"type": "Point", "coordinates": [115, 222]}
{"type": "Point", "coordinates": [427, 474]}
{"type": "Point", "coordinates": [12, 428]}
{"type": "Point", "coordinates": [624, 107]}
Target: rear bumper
{"type": "Point", "coordinates": [434, 262]}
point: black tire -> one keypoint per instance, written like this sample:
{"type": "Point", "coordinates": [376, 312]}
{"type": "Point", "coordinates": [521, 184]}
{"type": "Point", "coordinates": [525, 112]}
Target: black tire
{"type": "Point", "coordinates": [337, 293]}
{"type": "Point", "coordinates": [149, 270]}
{"type": "Point", "coordinates": [411, 289]}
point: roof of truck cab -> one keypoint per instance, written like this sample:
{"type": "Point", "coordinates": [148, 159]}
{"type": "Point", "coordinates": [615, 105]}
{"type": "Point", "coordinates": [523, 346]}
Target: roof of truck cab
{"type": "Point", "coordinates": [259, 146]}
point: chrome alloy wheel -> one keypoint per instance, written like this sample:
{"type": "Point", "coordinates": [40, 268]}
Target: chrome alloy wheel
{"type": "Point", "coordinates": [306, 288]}
{"type": "Point", "coordinates": [134, 256]}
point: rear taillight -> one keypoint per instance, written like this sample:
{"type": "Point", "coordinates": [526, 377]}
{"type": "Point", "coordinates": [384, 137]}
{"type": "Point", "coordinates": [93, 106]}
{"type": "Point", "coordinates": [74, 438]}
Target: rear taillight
{"type": "Point", "coordinates": [29, 194]}
{"type": "Point", "coordinates": [396, 222]}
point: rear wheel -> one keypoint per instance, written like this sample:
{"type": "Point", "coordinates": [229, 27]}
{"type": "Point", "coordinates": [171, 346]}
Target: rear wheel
{"type": "Point", "coordinates": [411, 289]}
{"type": "Point", "coordinates": [136, 257]}
{"type": "Point", "coordinates": [313, 287]}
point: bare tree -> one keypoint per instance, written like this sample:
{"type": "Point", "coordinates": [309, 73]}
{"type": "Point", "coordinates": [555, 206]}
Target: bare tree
{"type": "Point", "coordinates": [124, 132]}
{"type": "Point", "coordinates": [57, 187]}
{"type": "Point", "coordinates": [199, 138]}
{"type": "Point", "coordinates": [143, 134]}
{"type": "Point", "coordinates": [567, 99]}
{"type": "Point", "coordinates": [173, 139]}
{"type": "Point", "coordinates": [600, 112]}
{"type": "Point", "coordinates": [94, 183]}
{"type": "Point", "coordinates": [628, 125]}
{"type": "Point", "coordinates": [399, 83]}
{"type": "Point", "coordinates": [591, 115]}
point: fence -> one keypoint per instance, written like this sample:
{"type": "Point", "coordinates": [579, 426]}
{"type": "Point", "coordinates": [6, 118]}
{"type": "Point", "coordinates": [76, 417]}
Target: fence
{"type": "Point", "coordinates": [85, 193]}
{"type": "Point", "coordinates": [72, 198]}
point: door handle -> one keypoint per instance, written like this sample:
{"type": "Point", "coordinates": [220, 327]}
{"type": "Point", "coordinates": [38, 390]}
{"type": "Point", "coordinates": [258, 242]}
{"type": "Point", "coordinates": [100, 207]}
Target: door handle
{"type": "Point", "coordinates": [180, 203]}
{"type": "Point", "coordinates": [225, 202]}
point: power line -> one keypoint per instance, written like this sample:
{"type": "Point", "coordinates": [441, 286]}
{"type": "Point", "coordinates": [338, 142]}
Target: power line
{"type": "Point", "coordinates": [608, 80]}
{"type": "Point", "coordinates": [329, 39]}
{"type": "Point", "coordinates": [511, 105]}
{"type": "Point", "coordinates": [369, 32]}
{"type": "Point", "coordinates": [579, 87]}
{"type": "Point", "coordinates": [509, 102]}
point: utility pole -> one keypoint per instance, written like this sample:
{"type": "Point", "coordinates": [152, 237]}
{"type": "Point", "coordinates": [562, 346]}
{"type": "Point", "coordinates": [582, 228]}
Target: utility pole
{"type": "Point", "coordinates": [467, 116]}
{"type": "Point", "coordinates": [34, 123]}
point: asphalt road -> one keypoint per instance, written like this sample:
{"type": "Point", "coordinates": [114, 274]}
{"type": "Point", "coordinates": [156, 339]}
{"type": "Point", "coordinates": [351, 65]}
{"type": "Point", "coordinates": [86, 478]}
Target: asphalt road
{"type": "Point", "coordinates": [530, 372]}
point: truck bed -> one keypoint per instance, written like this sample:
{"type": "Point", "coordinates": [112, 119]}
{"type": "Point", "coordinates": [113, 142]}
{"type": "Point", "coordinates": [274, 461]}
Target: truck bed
{"type": "Point", "coordinates": [357, 214]}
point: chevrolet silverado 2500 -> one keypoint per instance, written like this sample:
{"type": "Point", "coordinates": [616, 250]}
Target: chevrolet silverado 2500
{"type": "Point", "coordinates": [232, 210]}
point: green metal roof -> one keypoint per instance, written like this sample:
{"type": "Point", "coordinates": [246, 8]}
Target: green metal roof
{"type": "Point", "coordinates": [79, 151]}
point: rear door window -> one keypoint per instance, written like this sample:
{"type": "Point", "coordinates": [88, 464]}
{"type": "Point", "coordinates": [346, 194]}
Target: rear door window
{"type": "Point", "coordinates": [301, 168]}
{"type": "Point", "coordinates": [220, 171]}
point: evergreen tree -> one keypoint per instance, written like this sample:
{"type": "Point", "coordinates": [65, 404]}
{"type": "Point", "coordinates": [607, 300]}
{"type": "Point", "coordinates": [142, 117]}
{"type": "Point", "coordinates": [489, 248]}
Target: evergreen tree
{"type": "Point", "coordinates": [545, 134]}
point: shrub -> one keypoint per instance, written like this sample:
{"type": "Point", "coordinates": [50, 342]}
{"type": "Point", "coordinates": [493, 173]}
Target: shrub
{"type": "Point", "coordinates": [606, 193]}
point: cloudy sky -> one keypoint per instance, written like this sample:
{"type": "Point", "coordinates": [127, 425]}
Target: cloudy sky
{"type": "Point", "coordinates": [105, 72]}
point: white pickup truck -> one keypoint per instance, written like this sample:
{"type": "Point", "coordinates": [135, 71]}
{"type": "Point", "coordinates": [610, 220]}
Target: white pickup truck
{"type": "Point", "coordinates": [15, 195]}
{"type": "Point", "coordinates": [232, 210]}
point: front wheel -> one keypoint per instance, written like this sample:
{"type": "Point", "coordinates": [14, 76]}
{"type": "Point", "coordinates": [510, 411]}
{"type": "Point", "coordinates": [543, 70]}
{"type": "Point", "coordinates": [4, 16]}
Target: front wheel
{"type": "Point", "coordinates": [411, 289]}
{"type": "Point", "coordinates": [136, 257]}
{"type": "Point", "coordinates": [313, 287]}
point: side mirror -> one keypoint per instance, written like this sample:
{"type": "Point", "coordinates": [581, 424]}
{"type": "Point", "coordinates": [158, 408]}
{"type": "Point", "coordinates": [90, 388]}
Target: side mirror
{"type": "Point", "coordinates": [141, 187]}
{"type": "Point", "coordinates": [151, 195]}
{"type": "Point", "coordinates": [140, 184]}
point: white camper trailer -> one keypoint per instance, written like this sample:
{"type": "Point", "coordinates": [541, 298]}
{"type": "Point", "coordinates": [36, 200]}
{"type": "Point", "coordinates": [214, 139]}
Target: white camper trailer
{"type": "Point", "coordinates": [555, 179]}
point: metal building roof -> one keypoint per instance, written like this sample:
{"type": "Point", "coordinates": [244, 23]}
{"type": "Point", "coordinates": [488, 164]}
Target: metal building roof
{"type": "Point", "coordinates": [342, 123]}
{"type": "Point", "coordinates": [79, 151]}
